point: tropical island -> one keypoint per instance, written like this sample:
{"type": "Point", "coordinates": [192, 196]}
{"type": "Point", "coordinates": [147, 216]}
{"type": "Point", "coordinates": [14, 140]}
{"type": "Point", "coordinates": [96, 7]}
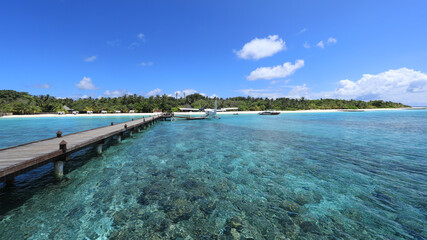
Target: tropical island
{"type": "Point", "coordinates": [23, 103]}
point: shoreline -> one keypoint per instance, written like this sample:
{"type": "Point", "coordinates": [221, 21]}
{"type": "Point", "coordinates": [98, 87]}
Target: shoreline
{"type": "Point", "coordinates": [193, 113]}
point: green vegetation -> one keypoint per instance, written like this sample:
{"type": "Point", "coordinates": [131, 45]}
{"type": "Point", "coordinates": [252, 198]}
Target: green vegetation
{"type": "Point", "coordinates": [24, 103]}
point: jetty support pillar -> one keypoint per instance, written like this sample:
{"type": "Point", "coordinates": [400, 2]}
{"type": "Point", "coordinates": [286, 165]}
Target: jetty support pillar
{"type": "Point", "coordinates": [58, 167]}
{"type": "Point", "coordinates": [119, 138]}
{"type": "Point", "coordinates": [99, 147]}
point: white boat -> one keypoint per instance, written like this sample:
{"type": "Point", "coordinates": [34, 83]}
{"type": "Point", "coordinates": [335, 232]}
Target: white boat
{"type": "Point", "coordinates": [269, 112]}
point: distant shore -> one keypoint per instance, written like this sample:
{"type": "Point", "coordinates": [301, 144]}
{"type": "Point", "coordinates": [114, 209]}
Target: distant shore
{"type": "Point", "coordinates": [192, 113]}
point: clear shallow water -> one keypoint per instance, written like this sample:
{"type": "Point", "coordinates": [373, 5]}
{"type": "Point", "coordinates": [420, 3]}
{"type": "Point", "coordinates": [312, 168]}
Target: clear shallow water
{"type": "Point", "coordinates": [16, 131]}
{"type": "Point", "coordinates": [297, 176]}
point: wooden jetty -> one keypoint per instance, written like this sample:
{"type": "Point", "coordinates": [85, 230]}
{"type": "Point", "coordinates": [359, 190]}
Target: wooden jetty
{"type": "Point", "coordinates": [188, 117]}
{"type": "Point", "coordinates": [18, 159]}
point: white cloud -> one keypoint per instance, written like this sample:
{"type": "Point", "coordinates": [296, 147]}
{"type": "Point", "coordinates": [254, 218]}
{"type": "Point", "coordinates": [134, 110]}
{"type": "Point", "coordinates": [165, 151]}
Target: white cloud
{"type": "Point", "coordinates": [400, 85]}
{"type": "Point", "coordinates": [278, 92]}
{"type": "Point", "coordinates": [116, 93]}
{"type": "Point", "coordinates": [186, 92]}
{"type": "Point", "coordinates": [86, 84]}
{"type": "Point", "coordinates": [91, 59]}
{"type": "Point", "coordinates": [141, 38]}
{"type": "Point", "coordinates": [332, 40]}
{"type": "Point", "coordinates": [113, 43]}
{"type": "Point", "coordinates": [280, 81]}
{"type": "Point", "coordinates": [43, 86]}
{"type": "Point", "coordinates": [213, 96]}
{"type": "Point", "coordinates": [261, 48]}
{"type": "Point", "coordinates": [177, 94]}
{"type": "Point", "coordinates": [146, 64]}
{"type": "Point", "coordinates": [298, 92]}
{"type": "Point", "coordinates": [302, 31]}
{"type": "Point", "coordinates": [154, 92]}
{"type": "Point", "coordinates": [321, 44]}
{"type": "Point", "coordinates": [262, 93]}
{"type": "Point", "coordinates": [79, 95]}
{"type": "Point", "coordinates": [133, 45]}
{"type": "Point", "coordinates": [279, 71]}
{"type": "Point", "coordinates": [189, 91]}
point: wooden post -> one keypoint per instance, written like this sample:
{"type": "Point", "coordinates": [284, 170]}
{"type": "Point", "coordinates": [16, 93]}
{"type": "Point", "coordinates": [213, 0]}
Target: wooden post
{"type": "Point", "coordinates": [99, 148]}
{"type": "Point", "coordinates": [138, 129]}
{"type": "Point", "coordinates": [63, 146]}
{"type": "Point", "coordinates": [58, 167]}
{"type": "Point", "coordinates": [131, 133]}
{"type": "Point", "coordinates": [119, 138]}
{"type": "Point", "coordinates": [59, 134]}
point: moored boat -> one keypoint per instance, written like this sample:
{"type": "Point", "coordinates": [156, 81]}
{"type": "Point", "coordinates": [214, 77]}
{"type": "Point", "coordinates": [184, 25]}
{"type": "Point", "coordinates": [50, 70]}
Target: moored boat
{"type": "Point", "coordinates": [351, 110]}
{"type": "Point", "coordinates": [269, 112]}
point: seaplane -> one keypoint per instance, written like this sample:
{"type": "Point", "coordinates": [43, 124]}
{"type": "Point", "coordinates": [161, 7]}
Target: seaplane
{"type": "Point", "coordinates": [209, 114]}
{"type": "Point", "coordinates": [212, 113]}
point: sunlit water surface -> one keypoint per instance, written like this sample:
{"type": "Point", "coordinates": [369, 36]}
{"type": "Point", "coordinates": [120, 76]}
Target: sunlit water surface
{"type": "Point", "coordinates": [16, 131]}
{"type": "Point", "coordinates": [297, 176]}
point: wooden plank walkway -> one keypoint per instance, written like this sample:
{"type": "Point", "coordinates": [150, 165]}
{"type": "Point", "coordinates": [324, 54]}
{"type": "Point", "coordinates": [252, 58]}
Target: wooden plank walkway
{"type": "Point", "coordinates": [14, 160]}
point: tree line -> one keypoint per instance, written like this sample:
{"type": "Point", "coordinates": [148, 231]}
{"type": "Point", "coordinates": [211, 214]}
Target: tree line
{"type": "Point", "coordinates": [24, 103]}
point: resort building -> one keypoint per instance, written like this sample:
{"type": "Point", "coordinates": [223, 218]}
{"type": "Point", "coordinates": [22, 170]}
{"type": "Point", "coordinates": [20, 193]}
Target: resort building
{"type": "Point", "coordinates": [69, 110]}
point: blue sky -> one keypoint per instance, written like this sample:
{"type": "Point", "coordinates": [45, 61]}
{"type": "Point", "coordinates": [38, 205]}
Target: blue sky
{"type": "Point", "coordinates": [342, 49]}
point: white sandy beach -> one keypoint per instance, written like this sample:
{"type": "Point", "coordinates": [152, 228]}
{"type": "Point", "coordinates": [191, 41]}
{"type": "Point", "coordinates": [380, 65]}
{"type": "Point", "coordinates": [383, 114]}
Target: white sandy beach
{"type": "Point", "coordinates": [186, 113]}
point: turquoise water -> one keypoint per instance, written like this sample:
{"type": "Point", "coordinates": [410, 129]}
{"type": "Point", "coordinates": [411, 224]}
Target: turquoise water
{"type": "Point", "coordinates": [292, 176]}
{"type": "Point", "coordinates": [16, 131]}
